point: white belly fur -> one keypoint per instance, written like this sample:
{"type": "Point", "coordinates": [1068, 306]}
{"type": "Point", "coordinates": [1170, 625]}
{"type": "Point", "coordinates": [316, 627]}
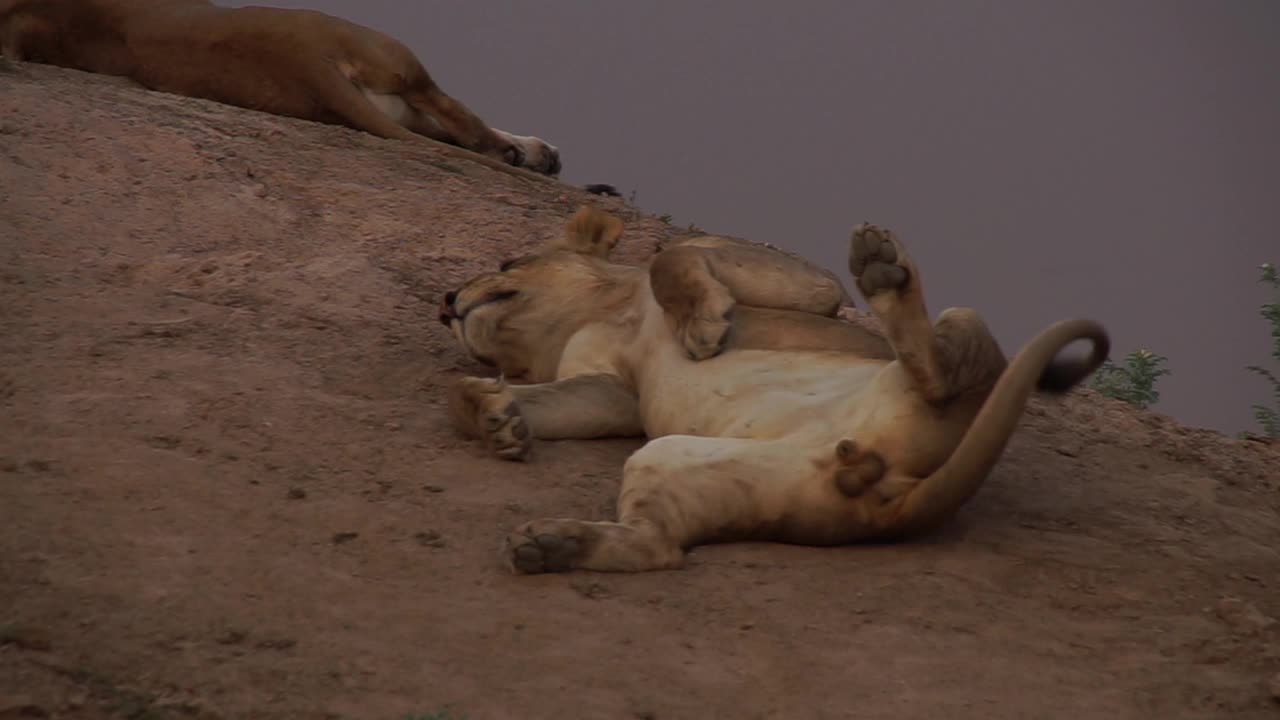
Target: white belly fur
{"type": "Point", "coordinates": [811, 394]}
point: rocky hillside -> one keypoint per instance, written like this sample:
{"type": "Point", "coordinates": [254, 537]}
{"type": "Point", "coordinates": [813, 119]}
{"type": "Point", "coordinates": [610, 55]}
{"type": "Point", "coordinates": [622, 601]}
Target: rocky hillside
{"type": "Point", "coordinates": [228, 488]}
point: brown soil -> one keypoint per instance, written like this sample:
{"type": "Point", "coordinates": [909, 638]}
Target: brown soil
{"type": "Point", "coordinates": [228, 487]}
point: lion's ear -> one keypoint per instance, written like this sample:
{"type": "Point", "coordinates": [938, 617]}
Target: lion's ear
{"type": "Point", "coordinates": [590, 232]}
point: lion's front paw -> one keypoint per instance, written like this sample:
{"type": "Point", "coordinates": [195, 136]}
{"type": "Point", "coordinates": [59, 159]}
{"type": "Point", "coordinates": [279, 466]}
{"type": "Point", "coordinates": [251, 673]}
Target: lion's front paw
{"type": "Point", "coordinates": [543, 546]}
{"type": "Point", "coordinates": [704, 332]}
{"type": "Point", "coordinates": [487, 409]}
{"type": "Point", "coordinates": [877, 260]}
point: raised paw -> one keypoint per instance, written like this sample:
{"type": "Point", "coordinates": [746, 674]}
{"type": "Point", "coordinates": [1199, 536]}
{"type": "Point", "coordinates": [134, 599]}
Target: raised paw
{"type": "Point", "coordinates": [857, 468]}
{"type": "Point", "coordinates": [486, 408]}
{"type": "Point", "coordinates": [544, 546]}
{"type": "Point", "coordinates": [877, 260]}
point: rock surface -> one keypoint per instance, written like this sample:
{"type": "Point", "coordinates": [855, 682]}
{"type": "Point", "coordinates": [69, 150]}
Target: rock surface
{"type": "Point", "coordinates": [228, 487]}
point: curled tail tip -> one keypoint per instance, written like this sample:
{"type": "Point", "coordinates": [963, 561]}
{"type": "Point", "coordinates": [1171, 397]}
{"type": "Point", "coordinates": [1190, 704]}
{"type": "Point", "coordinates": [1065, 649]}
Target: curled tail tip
{"type": "Point", "coordinates": [1062, 375]}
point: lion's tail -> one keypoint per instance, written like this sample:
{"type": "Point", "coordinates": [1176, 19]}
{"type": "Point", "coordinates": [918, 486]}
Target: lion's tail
{"type": "Point", "coordinates": [1035, 367]}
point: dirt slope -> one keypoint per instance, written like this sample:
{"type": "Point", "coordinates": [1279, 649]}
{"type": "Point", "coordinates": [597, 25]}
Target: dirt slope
{"type": "Point", "coordinates": [228, 488]}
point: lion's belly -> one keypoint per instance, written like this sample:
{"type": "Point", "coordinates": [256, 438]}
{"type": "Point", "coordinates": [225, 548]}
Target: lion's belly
{"type": "Point", "coordinates": [756, 394]}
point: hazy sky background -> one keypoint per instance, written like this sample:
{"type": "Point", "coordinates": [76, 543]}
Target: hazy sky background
{"type": "Point", "coordinates": [1117, 160]}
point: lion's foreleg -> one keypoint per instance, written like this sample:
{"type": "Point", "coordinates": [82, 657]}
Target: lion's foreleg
{"type": "Point", "coordinates": [580, 407]}
{"type": "Point", "coordinates": [697, 304]}
{"type": "Point", "coordinates": [508, 417]}
{"type": "Point", "coordinates": [699, 284]}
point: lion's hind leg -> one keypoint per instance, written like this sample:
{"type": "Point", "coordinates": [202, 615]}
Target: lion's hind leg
{"type": "Point", "coordinates": [944, 359]}
{"type": "Point", "coordinates": [679, 491]}
{"type": "Point", "coordinates": [348, 98]}
{"type": "Point", "coordinates": [365, 92]}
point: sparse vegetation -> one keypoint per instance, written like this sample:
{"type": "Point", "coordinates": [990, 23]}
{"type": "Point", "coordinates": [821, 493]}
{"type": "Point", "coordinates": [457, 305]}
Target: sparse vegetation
{"type": "Point", "coordinates": [1133, 381]}
{"type": "Point", "coordinates": [665, 217]}
{"type": "Point", "coordinates": [1269, 417]}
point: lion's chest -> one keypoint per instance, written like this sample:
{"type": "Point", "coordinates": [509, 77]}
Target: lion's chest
{"type": "Point", "coordinates": [753, 394]}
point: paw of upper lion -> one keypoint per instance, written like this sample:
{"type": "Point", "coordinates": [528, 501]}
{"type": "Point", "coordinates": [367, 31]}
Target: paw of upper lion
{"type": "Point", "coordinates": [541, 156]}
{"type": "Point", "coordinates": [877, 260]}
{"type": "Point", "coordinates": [542, 546]}
{"type": "Point", "coordinates": [513, 154]}
{"type": "Point", "coordinates": [489, 407]}
{"type": "Point", "coordinates": [534, 153]}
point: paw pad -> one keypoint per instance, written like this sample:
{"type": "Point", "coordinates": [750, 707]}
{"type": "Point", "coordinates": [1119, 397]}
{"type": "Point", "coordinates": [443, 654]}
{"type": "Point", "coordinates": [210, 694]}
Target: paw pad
{"type": "Point", "coordinates": [876, 260]}
{"type": "Point", "coordinates": [530, 554]}
{"type": "Point", "coordinates": [489, 407]}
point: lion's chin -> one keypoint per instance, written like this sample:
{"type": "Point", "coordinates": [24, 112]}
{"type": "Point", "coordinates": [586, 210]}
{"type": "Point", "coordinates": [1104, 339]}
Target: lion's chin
{"type": "Point", "coordinates": [460, 335]}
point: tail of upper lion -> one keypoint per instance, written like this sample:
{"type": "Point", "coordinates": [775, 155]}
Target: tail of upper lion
{"type": "Point", "coordinates": [1035, 367]}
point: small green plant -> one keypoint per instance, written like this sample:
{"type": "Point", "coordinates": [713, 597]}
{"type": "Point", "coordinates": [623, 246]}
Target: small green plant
{"type": "Point", "coordinates": [665, 218]}
{"type": "Point", "coordinates": [1269, 417]}
{"type": "Point", "coordinates": [1134, 381]}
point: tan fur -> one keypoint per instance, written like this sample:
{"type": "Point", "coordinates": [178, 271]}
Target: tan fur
{"type": "Point", "coordinates": [768, 418]}
{"type": "Point", "coordinates": [297, 63]}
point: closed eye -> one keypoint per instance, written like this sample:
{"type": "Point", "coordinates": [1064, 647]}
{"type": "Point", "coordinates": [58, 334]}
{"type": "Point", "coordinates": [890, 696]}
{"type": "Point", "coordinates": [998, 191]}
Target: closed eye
{"type": "Point", "coordinates": [509, 263]}
{"type": "Point", "coordinates": [492, 297]}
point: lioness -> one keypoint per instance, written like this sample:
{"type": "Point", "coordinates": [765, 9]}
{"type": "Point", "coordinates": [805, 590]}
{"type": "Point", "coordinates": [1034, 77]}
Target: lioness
{"type": "Point", "coordinates": [298, 63]}
{"type": "Point", "coordinates": [770, 420]}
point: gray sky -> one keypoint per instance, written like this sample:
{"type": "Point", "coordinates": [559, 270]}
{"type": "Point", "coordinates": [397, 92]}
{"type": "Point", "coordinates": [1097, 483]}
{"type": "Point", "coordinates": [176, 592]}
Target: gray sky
{"type": "Point", "coordinates": [1117, 160]}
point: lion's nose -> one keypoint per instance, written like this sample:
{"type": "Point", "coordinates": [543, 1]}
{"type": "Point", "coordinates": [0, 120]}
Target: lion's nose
{"type": "Point", "coordinates": [447, 311]}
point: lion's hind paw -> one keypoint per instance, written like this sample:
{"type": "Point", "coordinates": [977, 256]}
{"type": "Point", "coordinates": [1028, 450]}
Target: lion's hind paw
{"type": "Point", "coordinates": [877, 260]}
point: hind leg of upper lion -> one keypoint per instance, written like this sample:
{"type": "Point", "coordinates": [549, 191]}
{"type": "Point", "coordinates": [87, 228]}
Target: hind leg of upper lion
{"type": "Point", "coordinates": [680, 490]}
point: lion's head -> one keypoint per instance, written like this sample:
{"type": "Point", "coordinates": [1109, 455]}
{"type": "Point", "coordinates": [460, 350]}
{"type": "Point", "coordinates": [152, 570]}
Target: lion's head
{"type": "Point", "coordinates": [519, 318]}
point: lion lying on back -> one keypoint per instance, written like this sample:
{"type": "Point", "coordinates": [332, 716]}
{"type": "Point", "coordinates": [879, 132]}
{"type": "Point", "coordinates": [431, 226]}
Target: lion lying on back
{"type": "Point", "coordinates": [298, 63]}
{"type": "Point", "coordinates": [769, 419]}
